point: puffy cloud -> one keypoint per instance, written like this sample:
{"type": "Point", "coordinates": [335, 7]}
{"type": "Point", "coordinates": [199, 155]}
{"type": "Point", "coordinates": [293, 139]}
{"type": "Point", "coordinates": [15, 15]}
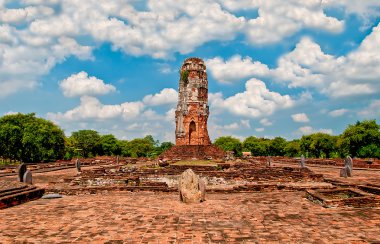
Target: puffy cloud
{"type": "Point", "coordinates": [307, 66]}
{"type": "Point", "coordinates": [278, 19]}
{"type": "Point", "coordinates": [255, 101]}
{"type": "Point", "coordinates": [236, 68]}
{"type": "Point", "coordinates": [266, 122]}
{"type": "Point", "coordinates": [307, 130]}
{"type": "Point", "coordinates": [126, 120]}
{"type": "Point", "coordinates": [233, 126]}
{"type": "Point", "coordinates": [16, 16]}
{"type": "Point", "coordinates": [166, 96]}
{"type": "Point", "coordinates": [10, 113]}
{"type": "Point", "coordinates": [372, 110]}
{"type": "Point", "coordinates": [353, 75]}
{"type": "Point", "coordinates": [300, 118]}
{"type": "Point", "coordinates": [23, 61]}
{"type": "Point", "coordinates": [47, 36]}
{"type": "Point", "coordinates": [281, 18]}
{"type": "Point", "coordinates": [91, 108]}
{"type": "Point", "coordinates": [81, 84]}
{"type": "Point", "coordinates": [260, 129]}
{"type": "Point", "coordinates": [245, 123]}
{"type": "Point", "coordinates": [364, 9]}
{"type": "Point", "coordinates": [338, 112]}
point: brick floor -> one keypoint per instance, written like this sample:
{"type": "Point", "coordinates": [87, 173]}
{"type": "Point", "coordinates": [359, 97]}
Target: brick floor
{"type": "Point", "coordinates": [144, 217]}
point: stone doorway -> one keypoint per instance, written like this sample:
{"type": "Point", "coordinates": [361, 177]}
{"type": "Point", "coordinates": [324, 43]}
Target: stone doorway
{"type": "Point", "coordinates": [192, 132]}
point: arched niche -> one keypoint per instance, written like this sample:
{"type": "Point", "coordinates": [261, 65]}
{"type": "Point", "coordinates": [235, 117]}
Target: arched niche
{"type": "Point", "coordinates": [192, 132]}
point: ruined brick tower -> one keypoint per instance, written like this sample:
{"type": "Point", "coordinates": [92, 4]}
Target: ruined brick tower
{"type": "Point", "coordinates": [191, 115]}
{"type": "Point", "coordinates": [192, 110]}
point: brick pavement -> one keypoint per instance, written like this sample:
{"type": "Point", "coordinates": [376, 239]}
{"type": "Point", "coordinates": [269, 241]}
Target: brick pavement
{"type": "Point", "coordinates": [145, 217]}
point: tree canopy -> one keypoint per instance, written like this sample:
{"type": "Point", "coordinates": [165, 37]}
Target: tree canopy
{"type": "Point", "coordinates": [228, 143]}
{"type": "Point", "coordinates": [87, 142]}
{"type": "Point", "coordinates": [30, 139]}
{"type": "Point", "coordinates": [361, 139]}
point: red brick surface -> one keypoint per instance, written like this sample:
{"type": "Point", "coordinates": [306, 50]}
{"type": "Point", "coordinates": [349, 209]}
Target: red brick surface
{"type": "Point", "coordinates": [161, 218]}
{"type": "Point", "coordinates": [269, 216]}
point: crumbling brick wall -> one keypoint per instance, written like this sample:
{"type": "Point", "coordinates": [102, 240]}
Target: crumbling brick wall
{"type": "Point", "coordinates": [192, 110]}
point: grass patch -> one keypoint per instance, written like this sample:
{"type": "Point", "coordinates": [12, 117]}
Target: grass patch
{"type": "Point", "coordinates": [196, 162]}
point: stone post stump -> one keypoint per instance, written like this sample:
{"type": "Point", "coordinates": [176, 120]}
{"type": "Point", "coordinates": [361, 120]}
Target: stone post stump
{"type": "Point", "coordinates": [191, 188]}
{"type": "Point", "coordinates": [21, 171]}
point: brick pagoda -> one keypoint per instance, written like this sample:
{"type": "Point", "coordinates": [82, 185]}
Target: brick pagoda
{"type": "Point", "coordinates": [191, 115]}
{"type": "Point", "coordinates": [192, 109]}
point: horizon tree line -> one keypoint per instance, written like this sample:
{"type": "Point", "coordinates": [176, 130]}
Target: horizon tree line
{"type": "Point", "coordinates": [24, 137]}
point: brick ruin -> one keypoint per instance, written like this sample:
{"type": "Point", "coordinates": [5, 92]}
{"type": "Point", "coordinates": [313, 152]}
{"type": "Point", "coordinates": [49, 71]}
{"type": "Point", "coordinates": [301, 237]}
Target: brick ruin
{"type": "Point", "coordinates": [192, 110]}
{"type": "Point", "coordinates": [191, 115]}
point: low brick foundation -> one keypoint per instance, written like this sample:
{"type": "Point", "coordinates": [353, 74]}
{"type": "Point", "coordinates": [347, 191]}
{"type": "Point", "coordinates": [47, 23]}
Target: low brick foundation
{"type": "Point", "coordinates": [343, 197]}
{"type": "Point", "coordinates": [193, 152]}
{"type": "Point", "coordinates": [15, 193]}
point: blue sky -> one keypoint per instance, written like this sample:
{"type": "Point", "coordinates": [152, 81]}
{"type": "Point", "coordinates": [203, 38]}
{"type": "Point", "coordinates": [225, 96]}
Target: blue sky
{"type": "Point", "coordinates": [275, 68]}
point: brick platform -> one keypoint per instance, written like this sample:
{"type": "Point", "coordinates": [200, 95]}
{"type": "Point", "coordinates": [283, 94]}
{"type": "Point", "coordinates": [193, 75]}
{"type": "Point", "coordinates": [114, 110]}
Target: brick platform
{"type": "Point", "coordinates": [14, 193]}
{"type": "Point", "coordinates": [246, 202]}
{"type": "Point", "coordinates": [193, 151]}
{"type": "Point", "coordinates": [161, 218]}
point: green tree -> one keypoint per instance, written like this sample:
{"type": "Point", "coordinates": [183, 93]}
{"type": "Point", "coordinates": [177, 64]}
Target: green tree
{"type": "Point", "coordinates": [87, 141]}
{"type": "Point", "coordinates": [109, 145]}
{"type": "Point", "coordinates": [257, 146]}
{"type": "Point", "coordinates": [228, 143]}
{"type": "Point", "coordinates": [163, 147]}
{"type": "Point", "coordinates": [30, 139]}
{"type": "Point", "coordinates": [319, 145]}
{"type": "Point", "coordinates": [151, 140]}
{"type": "Point", "coordinates": [293, 148]}
{"type": "Point", "coordinates": [140, 147]}
{"type": "Point", "coordinates": [124, 148]}
{"type": "Point", "coordinates": [277, 146]}
{"type": "Point", "coordinates": [70, 149]}
{"type": "Point", "coordinates": [360, 140]}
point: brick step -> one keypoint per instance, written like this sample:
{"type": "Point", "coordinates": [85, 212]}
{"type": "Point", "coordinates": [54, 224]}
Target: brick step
{"type": "Point", "coordinates": [99, 189]}
{"type": "Point", "coordinates": [14, 191]}
{"type": "Point", "coordinates": [21, 197]}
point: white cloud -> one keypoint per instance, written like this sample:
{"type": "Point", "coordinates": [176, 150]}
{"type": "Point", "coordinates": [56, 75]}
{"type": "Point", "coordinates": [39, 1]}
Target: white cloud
{"type": "Point", "coordinates": [166, 68]}
{"type": "Point", "coordinates": [338, 112]}
{"type": "Point", "coordinates": [126, 120]}
{"type": "Point", "coordinates": [53, 30]}
{"type": "Point", "coordinates": [307, 66]}
{"type": "Point", "coordinates": [23, 60]}
{"type": "Point", "coordinates": [259, 129]}
{"type": "Point", "coordinates": [355, 74]}
{"type": "Point", "coordinates": [233, 126]}
{"type": "Point", "coordinates": [300, 118]}
{"type": "Point", "coordinates": [266, 122]}
{"type": "Point", "coordinates": [245, 123]}
{"type": "Point", "coordinates": [91, 108]}
{"type": "Point", "coordinates": [10, 113]}
{"type": "Point", "coordinates": [236, 68]}
{"type": "Point", "coordinates": [278, 19]}
{"type": "Point", "coordinates": [81, 84]}
{"type": "Point", "coordinates": [166, 96]}
{"type": "Point", "coordinates": [307, 130]}
{"type": "Point", "coordinates": [170, 115]}
{"type": "Point", "coordinates": [255, 101]}
{"type": "Point", "coordinates": [162, 29]}
{"type": "Point", "coordinates": [372, 110]}
{"type": "Point", "coordinates": [221, 129]}
{"type": "Point", "coordinates": [364, 9]}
